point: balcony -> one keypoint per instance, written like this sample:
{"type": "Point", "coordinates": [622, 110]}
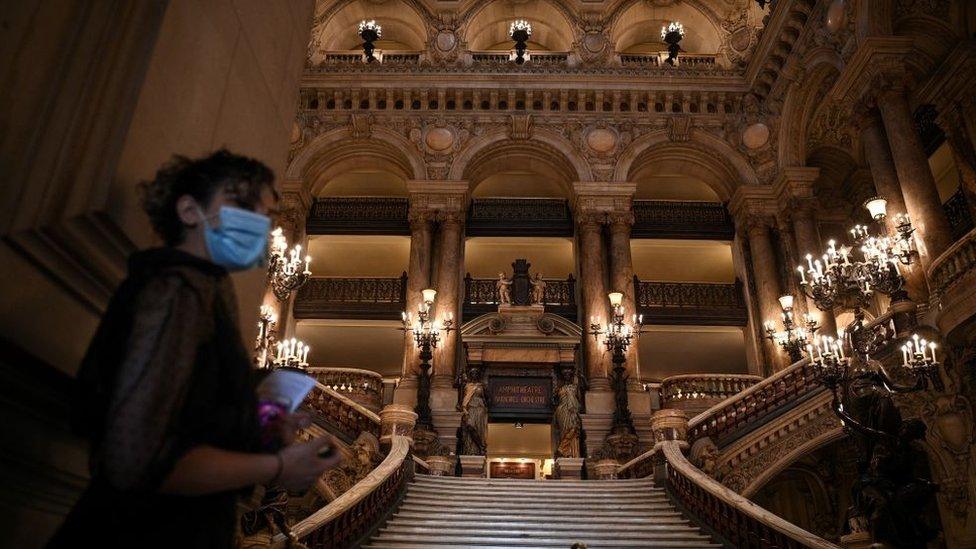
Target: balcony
{"type": "Point", "coordinates": [690, 303]}
{"type": "Point", "coordinates": [519, 217]}
{"type": "Point", "coordinates": [958, 212]}
{"type": "Point", "coordinates": [361, 386]}
{"type": "Point", "coordinates": [481, 297]}
{"type": "Point", "coordinates": [695, 393]}
{"type": "Point", "coordinates": [359, 215]}
{"type": "Point", "coordinates": [683, 220]}
{"type": "Point", "coordinates": [355, 298]}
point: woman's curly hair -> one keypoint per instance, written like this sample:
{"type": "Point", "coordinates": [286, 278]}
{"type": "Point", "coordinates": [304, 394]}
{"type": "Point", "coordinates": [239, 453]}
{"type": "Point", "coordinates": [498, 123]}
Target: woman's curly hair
{"type": "Point", "coordinates": [200, 179]}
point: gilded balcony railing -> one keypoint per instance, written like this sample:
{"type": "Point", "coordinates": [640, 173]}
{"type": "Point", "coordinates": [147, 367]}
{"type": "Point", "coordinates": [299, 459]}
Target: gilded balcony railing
{"type": "Point", "coordinates": [959, 214]}
{"type": "Point", "coordinates": [519, 217]}
{"type": "Point", "coordinates": [361, 386]}
{"type": "Point", "coordinates": [339, 297]}
{"type": "Point", "coordinates": [656, 59]}
{"type": "Point", "coordinates": [695, 393]}
{"type": "Point", "coordinates": [341, 415]}
{"type": "Point", "coordinates": [481, 296]}
{"type": "Point", "coordinates": [682, 219]}
{"type": "Point", "coordinates": [690, 302]}
{"type": "Point", "coordinates": [358, 215]}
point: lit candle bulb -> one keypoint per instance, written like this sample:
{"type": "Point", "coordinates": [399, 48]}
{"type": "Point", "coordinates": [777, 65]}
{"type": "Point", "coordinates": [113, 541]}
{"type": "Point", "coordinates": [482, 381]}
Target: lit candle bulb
{"type": "Point", "coordinates": [803, 278]}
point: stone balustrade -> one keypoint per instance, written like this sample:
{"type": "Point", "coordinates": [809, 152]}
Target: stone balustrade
{"type": "Point", "coordinates": [952, 277]}
{"type": "Point", "coordinates": [374, 298]}
{"type": "Point", "coordinates": [360, 386]}
{"type": "Point", "coordinates": [343, 417]}
{"type": "Point", "coordinates": [695, 393]}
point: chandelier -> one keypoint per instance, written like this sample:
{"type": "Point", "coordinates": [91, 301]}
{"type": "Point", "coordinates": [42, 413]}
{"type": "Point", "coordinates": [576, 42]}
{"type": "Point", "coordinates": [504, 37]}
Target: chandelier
{"type": "Point", "coordinates": [849, 276]}
{"type": "Point", "coordinates": [617, 337]}
{"type": "Point", "coordinates": [292, 353]}
{"type": "Point", "coordinates": [287, 270]}
{"type": "Point", "coordinates": [370, 32]}
{"type": "Point", "coordinates": [520, 30]}
{"type": "Point", "coordinates": [794, 337]}
{"type": "Point", "coordinates": [267, 324]}
{"type": "Point", "coordinates": [671, 34]}
{"type": "Point", "coordinates": [426, 334]}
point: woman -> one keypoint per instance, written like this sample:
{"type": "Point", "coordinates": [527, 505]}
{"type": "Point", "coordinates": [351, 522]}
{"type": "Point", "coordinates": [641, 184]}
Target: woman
{"type": "Point", "coordinates": [567, 415]}
{"type": "Point", "coordinates": [166, 388]}
{"type": "Point", "coordinates": [474, 415]}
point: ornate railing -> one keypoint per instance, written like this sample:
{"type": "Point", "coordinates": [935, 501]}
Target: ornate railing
{"type": "Point", "coordinates": [657, 60]}
{"type": "Point", "coordinates": [959, 215]}
{"type": "Point", "coordinates": [953, 264]}
{"type": "Point", "coordinates": [535, 58]}
{"type": "Point", "coordinates": [481, 296]}
{"type": "Point", "coordinates": [755, 403]}
{"type": "Point", "coordinates": [356, 56]}
{"type": "Point", "coordinates": [740, 522]}
{"type": "Point", "coordinates": [358, 215]}
{"type": "Point", "coordinates": [341, 415]}
{"type": "Point", "coordinates": [677, 219]}
{"type": "Point", "coordinates": [350, 517]}
{"type": "Point", "coordinates": [519, 217]}
{"type": "Point", "coordinates": [698, 392]}
{"type": "Point", "coordinates": [690, 302]}
{"type": "Point", "coordinates": [368, 298]}
{"type": "Point", "coordinates": [361, 386]}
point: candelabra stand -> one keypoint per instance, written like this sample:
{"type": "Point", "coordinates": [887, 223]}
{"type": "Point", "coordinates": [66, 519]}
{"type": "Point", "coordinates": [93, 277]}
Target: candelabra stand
{"type": "Point", "coordinates": [370, 32]}
{"type": "Point", "coordinates": [617, 337]}
{"type": "Point", "coordinates": [520, 31]}
{"type": "Point", "coordinates": [672, 33]}
{"type": "Point", "coordinates": [287, 270]}
{"type": "Point", "coordinates": [794, 338]}
{"type": "Point", "coordinates": [292, 353]}
{"type": "Point", "coordinates": [267, 325]}
{"type": "Point", "coordinates": [426, 334]}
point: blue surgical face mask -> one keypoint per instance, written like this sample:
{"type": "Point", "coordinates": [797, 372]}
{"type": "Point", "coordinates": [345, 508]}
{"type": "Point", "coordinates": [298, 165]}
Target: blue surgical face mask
{"type": "Point", "coordinates": [241, 240]}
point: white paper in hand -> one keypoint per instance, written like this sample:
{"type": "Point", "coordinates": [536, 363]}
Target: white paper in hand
{"type": "Point", "coordinates": [285, 387]}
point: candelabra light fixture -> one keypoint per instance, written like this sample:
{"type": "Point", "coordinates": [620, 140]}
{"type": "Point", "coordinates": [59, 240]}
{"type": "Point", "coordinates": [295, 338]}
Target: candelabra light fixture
{"type": "Point", "coordinates": [617, 337]}
{"type": "Point", "coordinates": [267, 325]}
{"type": "Point", "coordinates": [520, 30]}
{"type": "Point", "coordinates": [370, 32]}
{"type": "Point", "coordinates": [292, 353]}
{"type": "Point", "coordinates": [287, 269]}
{"type": "Point", "coordinates": [426, 333]}
{"type": "Point", "coordinates": [849, 276]}
{"type": "Point", "coordinates": [672, 33]}
{"type": "Point", "coordinates": [795, 335]}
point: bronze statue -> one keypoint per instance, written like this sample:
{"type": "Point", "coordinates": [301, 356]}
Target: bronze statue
{"type": "Point", "coordinates": [538, 290]}
{"type": "Point", "coordinates": [474, 415]}
{"type": "Point", "coordinates": [567, 414]}
{"type": "Point", "coordinates": [504, 287]}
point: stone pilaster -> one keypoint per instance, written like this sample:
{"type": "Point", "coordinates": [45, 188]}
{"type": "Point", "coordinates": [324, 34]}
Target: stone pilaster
{"type": "Point", "coordinates": [418, 279]}
{"type": "Point", "coordinates": [294, 207]}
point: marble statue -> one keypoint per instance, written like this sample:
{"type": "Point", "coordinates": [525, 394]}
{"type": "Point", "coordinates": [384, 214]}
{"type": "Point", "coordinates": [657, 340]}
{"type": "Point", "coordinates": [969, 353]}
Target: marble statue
{"type": "Point", "coordinates": [474, 415]}
{"type": "Point", "coordinates": [567, 414]}
{"type": "Point", "coordinates": [504, 287]}
{"type": "Point", "coordinates": [538, 290]}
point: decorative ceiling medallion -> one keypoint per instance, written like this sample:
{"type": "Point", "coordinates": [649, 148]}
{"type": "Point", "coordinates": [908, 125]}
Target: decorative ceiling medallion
{"type": "Point", "coordinates": [601, 140]}
{"type": "Point", "coordinates": [755, 136]}
{"type": "Point", "coordinates": [439, 139]}
{"type": "Point", "coordinates": [445, 41]}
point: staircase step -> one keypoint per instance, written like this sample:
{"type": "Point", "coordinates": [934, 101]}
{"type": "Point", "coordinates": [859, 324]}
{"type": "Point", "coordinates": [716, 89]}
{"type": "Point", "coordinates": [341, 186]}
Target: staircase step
{"type": "Point", "coordinates": [438, 540]}
{"type": "Point", "coordinates": [477, 495]}
{"type": "Point", "coordinates": [588, 532]}
{"type": "Point", "coordinates": [391, 544]}
{"type": "Point", "coordinates": [648, 525]}
{"type": "Point", "coordinates": [589, 484]}
{"type": "Point", "coordinates": [524, 504]}
{"type": "Point", "coordinates": [546, 491]}
{"type": "Point", "coordinates": [480, 515]}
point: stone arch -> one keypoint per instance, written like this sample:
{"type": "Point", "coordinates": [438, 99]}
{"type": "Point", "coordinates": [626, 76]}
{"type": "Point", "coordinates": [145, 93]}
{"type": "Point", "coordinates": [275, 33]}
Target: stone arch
{"type": "Point", "coordinates": [404, 22]}
{"type": "Point", "coordinates": [631, 19]}
{"type": "Point", "coordinates": [784, 461]}
{"type": "Point", "coordinates": [932, 39]}
{"type": "Point", "coordinates": [554, 24]}
{"type": "Point", "coordinates": [801, 104]}
{"type": "Point", "coordinates": [723, 168]}
{"type": "Point", "coordinates": [544, 145]}
{"type": "Point", "coordinates": [338, 149]}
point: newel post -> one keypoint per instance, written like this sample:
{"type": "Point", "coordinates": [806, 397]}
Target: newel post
{"type": "Point", "coordinates": [668, 425]}
{"type": "Point", "coordinates": [396, 419]}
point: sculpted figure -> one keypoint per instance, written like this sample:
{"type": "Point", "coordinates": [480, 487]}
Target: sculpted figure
{"type": "Point", "coordinates": [474, 415]}
{"type": "Point", "coordinates": [538, 289]}
{"type": "Point", "coordinates": [567, 414]}
{"type": "Point", "coordinates": [504, 287]}
{"type": "Point", "coordinates": [360, 460]}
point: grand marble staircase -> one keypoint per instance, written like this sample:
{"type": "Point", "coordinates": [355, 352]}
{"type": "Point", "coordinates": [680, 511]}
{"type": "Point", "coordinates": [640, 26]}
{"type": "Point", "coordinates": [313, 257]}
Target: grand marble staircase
{"type": "Point", "coordinates": [450, 512]}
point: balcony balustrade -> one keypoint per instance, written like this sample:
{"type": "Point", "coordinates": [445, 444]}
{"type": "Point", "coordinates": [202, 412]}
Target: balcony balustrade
{"type": "Point", "coordinates": [682, 219]}
{"type": "Point", "coordinates": [481, 297]}
{"type": "Point", "coordinates": [959, 214]}
{"type": "Point", "coordinates": [359, 215]}
{"type": "Point", "coordinates": [360, 298]}
{"type": "Point", "coordinates": [519, 217]}
{"type": "Point", "coordinates": [363, 387]}
{"type": "Point", "coordinates": [695, 393]}
{"type": "Point", "coordinates": [690, 303]}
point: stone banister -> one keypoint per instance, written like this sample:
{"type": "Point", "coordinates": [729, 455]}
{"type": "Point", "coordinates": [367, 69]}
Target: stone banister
{"type": "Point", "coordinates": [698, 392]}
{"type": "Point", "coordinates": [341, 415]}
{"type": "Point", "coordinates": [955, 262]}
{"type": "Point", "coordinates": [758, 401]}
{"type": "Point", "coordinates": [739, 521]}
{"type": "Point", "coordinates": [364, 387]}
{"type": "Point", "coordinates": [352, 515]}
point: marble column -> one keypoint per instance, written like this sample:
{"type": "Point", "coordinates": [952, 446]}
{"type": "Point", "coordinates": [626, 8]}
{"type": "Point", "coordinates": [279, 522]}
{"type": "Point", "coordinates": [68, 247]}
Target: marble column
{"type": "Point", "coordinates": [808, 242]}
{"type": "Point", "coordinates": [766, 278]}
{"type": "Point", "coordinates": [418, 279]}
{"type": "Point", "coordinates": [622, 274]}
{"type": "Point", "coordinates": [448, 300]}
{"type": "Point", "coordinates": [594, 296]}
{"type": "Point", "coordinates": [293, 207]}
{"type": "Point", "coordinates": [917, 183]}
{"type": "Point", "coordinates": [885, 178]}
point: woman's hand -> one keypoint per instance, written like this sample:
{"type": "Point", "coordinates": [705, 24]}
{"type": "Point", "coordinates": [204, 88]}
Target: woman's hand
{"type": "Point", "coordinates": [289, 425]}
{"type": "Point", "coordinates": [301, 464]}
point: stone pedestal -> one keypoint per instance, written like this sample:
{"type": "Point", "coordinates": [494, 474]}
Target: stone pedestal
{"type": "Point", "coordinates": [599, 400]}
{"type": "Point", "coordinates": [668, 425]}
{"type": "Point", "coordinates": [473, 466]}
{"type": "Point", "coordinates": [406, 392]}
{"type": "Point", "coordinates": [569, 468]}
{"type": "Point", "coordinates": [441, 466]}
{"type": "Point", "coordinates": [606, 469]}
{"type": "Point", "coordinates": [396, 419]}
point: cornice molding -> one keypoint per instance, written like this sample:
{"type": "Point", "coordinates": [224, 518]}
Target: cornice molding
{"type": "Point", "coordinates": [875, 55]}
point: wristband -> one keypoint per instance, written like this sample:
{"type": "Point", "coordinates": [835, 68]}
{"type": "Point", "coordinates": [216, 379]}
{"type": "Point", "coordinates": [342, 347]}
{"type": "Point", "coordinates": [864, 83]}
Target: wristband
{"type": "Point", "coordinates": [281, 468]}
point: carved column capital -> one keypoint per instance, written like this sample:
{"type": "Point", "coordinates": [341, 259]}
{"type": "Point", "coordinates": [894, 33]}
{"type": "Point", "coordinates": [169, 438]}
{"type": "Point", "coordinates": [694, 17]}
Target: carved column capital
{"type": "Point", "coordinates": [621, 221]}
{"type": "Point", "coordinates": [752, 207]}
{"type": "Point", "coordinates": [438, 201]}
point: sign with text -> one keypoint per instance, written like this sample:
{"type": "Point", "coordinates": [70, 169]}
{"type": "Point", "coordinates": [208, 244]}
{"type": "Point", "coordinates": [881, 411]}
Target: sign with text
{"type": "Point", "coordinates": [510, 469]}
{"type": "Point", "coordinates": [520, 395]}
